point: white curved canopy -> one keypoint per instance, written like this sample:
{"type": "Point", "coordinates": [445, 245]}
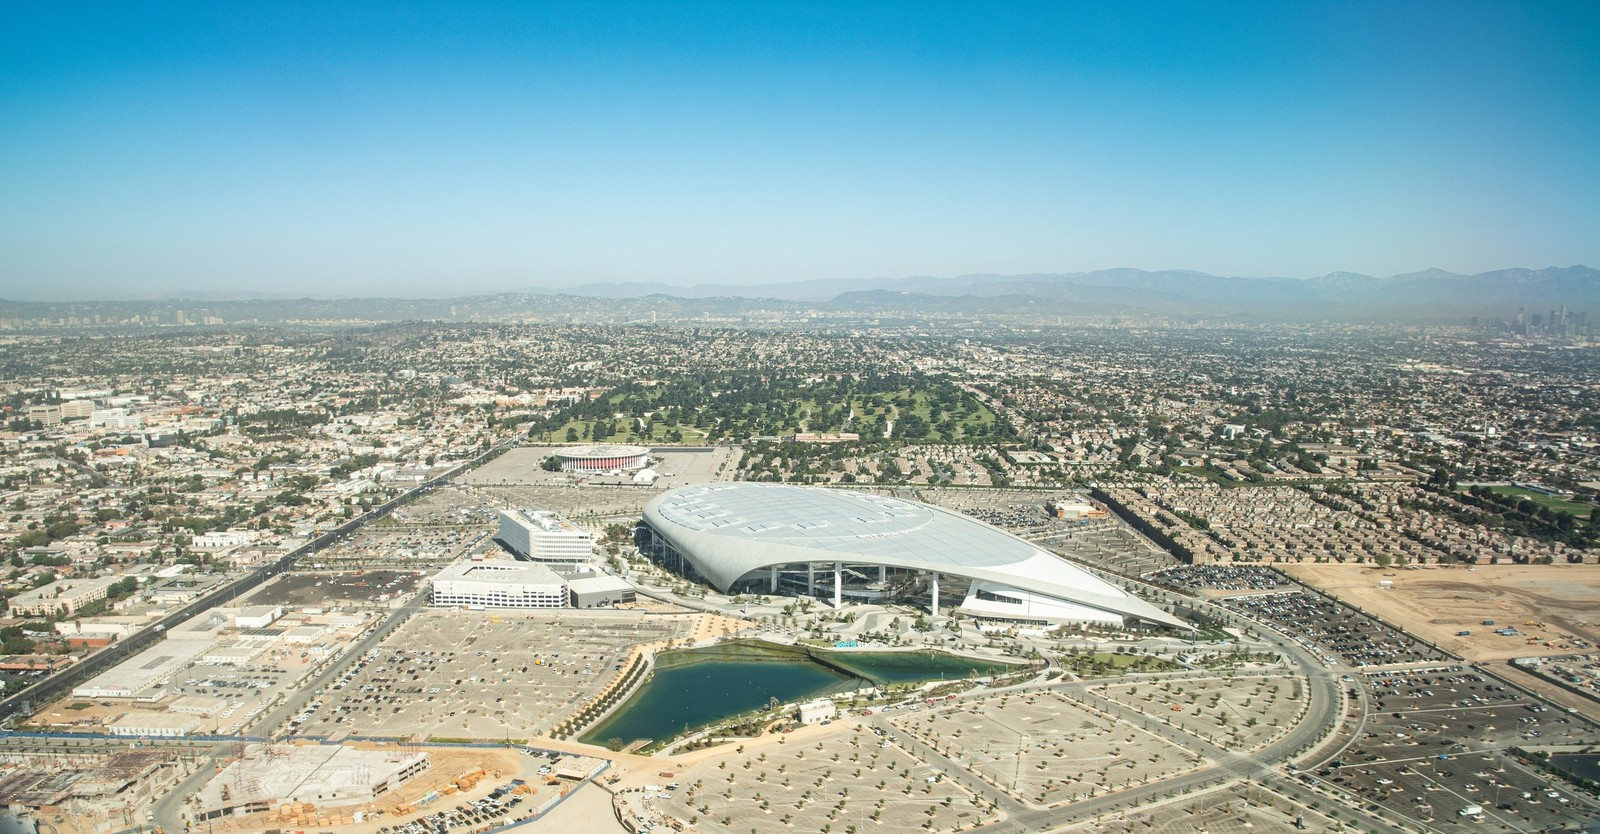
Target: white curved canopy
{"type": "Point", "coordinates": [731, 530]}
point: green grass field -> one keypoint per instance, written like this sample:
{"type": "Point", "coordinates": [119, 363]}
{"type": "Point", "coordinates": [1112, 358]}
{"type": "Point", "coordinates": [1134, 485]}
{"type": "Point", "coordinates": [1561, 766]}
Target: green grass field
{"type": "Point", "coordinates": [1565, 505]}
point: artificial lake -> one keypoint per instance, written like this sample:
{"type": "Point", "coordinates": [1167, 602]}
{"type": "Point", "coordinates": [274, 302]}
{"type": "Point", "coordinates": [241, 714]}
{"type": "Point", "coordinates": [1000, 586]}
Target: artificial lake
{"type": "Point", "coordinates": [690, 689]}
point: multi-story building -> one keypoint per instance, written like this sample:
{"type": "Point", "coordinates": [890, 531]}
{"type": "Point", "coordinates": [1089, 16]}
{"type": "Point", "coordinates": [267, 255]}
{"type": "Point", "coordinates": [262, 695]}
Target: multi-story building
{"type": "Point", "coordinates": [546, 538]}
{"type": "Point", "coordinates": [62, 596]}
{"type": "Point", "coordinates": [77, 409]}
{"type": "Point", "coordinates": [498, 585]}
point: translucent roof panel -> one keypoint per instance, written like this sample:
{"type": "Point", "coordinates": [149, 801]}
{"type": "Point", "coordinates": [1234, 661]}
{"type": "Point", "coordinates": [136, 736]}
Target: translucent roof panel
{"type": "Point", "coordinates": [840, 522]}
{"type": "Point", "coordinates": [729, 531]}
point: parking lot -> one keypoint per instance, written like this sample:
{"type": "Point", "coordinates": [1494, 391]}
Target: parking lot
{"type": "Point", "coordinates": [336, 589]}
{"type": "Point", "coordinates": [446, 505]}
{"type": "Point", "coordinates": [1436, 743]}
{"type": "Point", "coordinates": [1044, 748]}
{"type": "Point", "coordinates": [1193, 579]}
{"type": "Point", "coordinates": [522, 467]}
{"type": "Point", "coordinates": [482, 674]}
{"type": "Point", "coordinates": [1238, 712]}
{"type": "Point", "coordinates": [403, 546]}
{"type": "Point", "coordinates": [1360, 640]}
{"type": "Point", "coordinates": [503, 805]}
{"type": "Point", "coordinates": [848, 777]}
{"type": "Point", "coordinates": [1238, 809]}
{"type": "Point", "coordinates": [588, 506]}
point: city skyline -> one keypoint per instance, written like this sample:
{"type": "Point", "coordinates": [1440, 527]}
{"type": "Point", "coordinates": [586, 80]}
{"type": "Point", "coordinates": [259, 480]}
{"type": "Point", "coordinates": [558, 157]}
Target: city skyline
{"type": "Point", "coordinates": [439, 151]}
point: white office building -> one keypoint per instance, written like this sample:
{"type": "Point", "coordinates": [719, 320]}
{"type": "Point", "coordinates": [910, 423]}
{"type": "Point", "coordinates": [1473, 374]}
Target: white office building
{"type": "Point", "coordinates": [219, 539]}
{"type": "Point", "coordinates": [498, 585]}
{"type": "Point", "coordinates": [115, 418]}
{"type": "Point", "coordinates": [546, 538]}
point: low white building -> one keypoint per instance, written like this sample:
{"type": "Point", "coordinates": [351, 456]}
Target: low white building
{"type": "Point", "coordinates": [813, 712]}
{"type": "Point", "coordinates": [222, 539]}
{"type": "Point", "coordinates": [115, 626]}
{"type": "Point", "coordinates": [115, 418]}
{"type": "Point", "coordinates": [498, 585]}
{"type": "Point", "coordinates": [600, 591]}
{"type": "Point", "coordinates": [237, 653]}
{"type": "Point", "coordinates": [155, 725]}
{"type": "Point", "coordinates": [144, 675]}
{"type": "Point", "coordinates": [258, 616]}
{"type": "Point", "coordinates": [304, 634]}
{"type": "Point", "coordinates": [205, 706]}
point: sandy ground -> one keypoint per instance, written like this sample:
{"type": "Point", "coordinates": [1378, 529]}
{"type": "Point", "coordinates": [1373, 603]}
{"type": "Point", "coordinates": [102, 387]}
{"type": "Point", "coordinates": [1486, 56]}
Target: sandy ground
{"type": "Point", "coordinates": [1549, 605]}
{"type": "Point", "coordinates": [1561, 696]}
{"type": "Point", "coordinates": [588, 810]}
{"type": "Point", "coordinates": [709, 626]}
{"type": "Point", "coordinates": [501, 766]}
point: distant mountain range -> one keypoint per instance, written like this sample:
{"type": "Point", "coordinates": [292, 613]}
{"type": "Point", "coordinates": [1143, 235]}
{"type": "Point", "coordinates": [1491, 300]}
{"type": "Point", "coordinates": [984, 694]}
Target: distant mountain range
{"type": "Point", "coordinates": [1433, 295]}
{"type": "Point", "coordinates": [1163, 290]}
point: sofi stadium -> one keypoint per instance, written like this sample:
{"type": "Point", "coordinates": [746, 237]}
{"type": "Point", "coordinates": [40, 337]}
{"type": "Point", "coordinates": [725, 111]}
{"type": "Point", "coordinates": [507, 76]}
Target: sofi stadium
{"type": "Point", "coordinates": [842, 545]}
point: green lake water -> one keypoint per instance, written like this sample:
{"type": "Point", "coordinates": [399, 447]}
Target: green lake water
{"type": "Point", "coordinates": [697, 687]}
{"type": "Point", "coordinates": [1584, 765]}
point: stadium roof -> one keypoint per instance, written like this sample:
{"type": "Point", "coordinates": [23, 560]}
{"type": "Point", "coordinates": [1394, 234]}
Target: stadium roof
{"type": "Point", "coordinates": [601, 450]}
{"type": "Point", "coordinates": [730, 530]}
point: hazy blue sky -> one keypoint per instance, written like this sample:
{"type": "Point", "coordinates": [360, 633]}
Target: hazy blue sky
{"type": "Point", "coordinates": [369, 148]}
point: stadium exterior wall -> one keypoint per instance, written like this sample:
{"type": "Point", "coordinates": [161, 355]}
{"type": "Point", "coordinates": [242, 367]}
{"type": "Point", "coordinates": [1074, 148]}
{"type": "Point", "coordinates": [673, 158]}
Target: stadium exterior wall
{"type": "Point", "coordinates": [1053, 590]}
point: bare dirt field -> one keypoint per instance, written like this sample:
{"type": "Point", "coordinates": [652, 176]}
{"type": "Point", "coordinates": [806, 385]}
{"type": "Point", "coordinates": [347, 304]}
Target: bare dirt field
{"type": "Point", "coordinates": [1549, 606]}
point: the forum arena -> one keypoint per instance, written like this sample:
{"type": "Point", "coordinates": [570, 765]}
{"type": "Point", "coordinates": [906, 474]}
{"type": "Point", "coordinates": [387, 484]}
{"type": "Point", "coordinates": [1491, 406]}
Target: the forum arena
{"type": "Point", "coordinates": [603, 458]}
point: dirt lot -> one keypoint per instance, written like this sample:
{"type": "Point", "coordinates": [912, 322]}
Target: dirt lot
{"type": "Point", "coordinates": [500, 766]}
{"type": "Point", "coordinates": [1548, 605]}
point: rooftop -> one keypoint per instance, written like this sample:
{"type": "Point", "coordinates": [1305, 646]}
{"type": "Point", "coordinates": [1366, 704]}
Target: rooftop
{"type": "Point", "coordinates": [841, 522]}
{"type": "Point", "coordinates": [546, 520]}
{"type": "Point", "coordinates": [602, 450]}
{"type": "Point", "coordinates": [731, 530]}
{"type": "Point", "coordinates": [499, 573]}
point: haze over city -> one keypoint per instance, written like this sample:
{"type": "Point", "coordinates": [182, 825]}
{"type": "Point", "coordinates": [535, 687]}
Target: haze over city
{"type": "Point", "coordinates": [443, 149]}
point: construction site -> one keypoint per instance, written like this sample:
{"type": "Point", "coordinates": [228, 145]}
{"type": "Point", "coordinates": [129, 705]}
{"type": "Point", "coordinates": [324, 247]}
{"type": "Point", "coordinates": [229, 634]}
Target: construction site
{"type": "Point", "coordinates": [368, 788]}
{"type": "Point", "coordinates": [85, 791]}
